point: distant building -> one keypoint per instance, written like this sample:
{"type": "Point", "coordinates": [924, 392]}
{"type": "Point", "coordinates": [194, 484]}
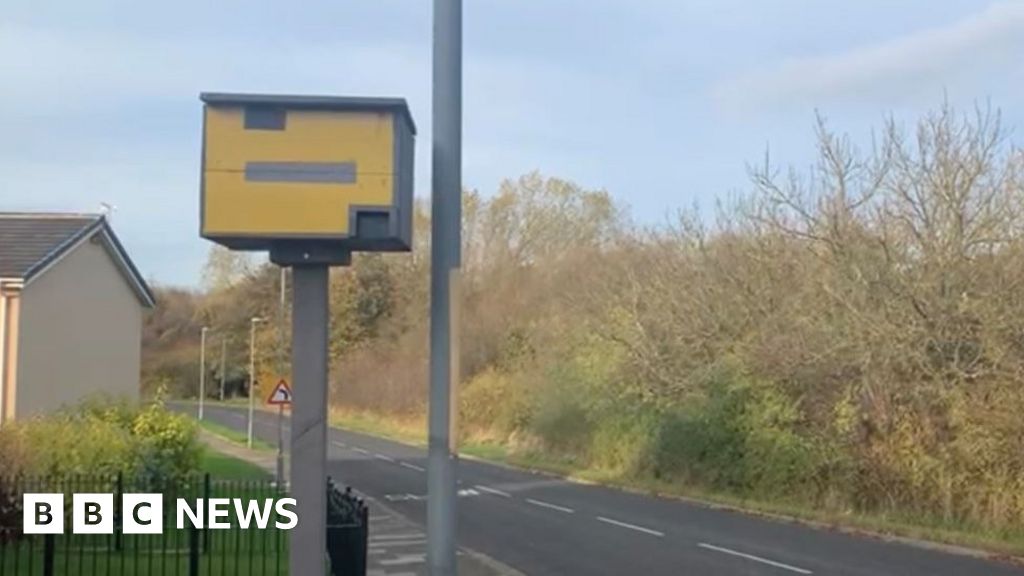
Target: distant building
{"type": "Point", "coordinates": [71, 308]}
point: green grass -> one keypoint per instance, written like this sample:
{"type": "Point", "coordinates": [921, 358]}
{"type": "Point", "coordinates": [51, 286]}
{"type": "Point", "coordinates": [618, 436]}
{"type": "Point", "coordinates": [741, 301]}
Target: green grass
{"type": "Point", "coordinates": [235, 435]}
{"type": "Point", "coordinates": [223, 467]}
{"type": "Point", "coordinates": [230, 551]}
{"type": "Point", "coordinates": [412, 431]}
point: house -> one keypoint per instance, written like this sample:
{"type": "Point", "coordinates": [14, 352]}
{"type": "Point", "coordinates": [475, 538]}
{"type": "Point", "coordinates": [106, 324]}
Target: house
{"type": "Point", "coordinates": [71, 310]}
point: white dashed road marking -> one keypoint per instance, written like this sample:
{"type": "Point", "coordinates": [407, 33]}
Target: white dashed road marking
{"type": "Point", "coordinates": [405, 559]}
{"type": "Point", "coordinates": [384, 458]}
{"type": "Point", "coordinates": [543, 504]}
{"type": "Point", "coordinates": [413, 536]}
{"type": "Point", "coordinates": [412, 467]}
{"type": "Point", "coordinates": [631, 526]}
{"type": "Point", "coordinates": [361, 451]}
{"type": "Point", "coordinates": [403, 497]}
{"type": "Point", "coordinates": [494, 491]}
{"type": "Point", "coordinates": [393, 543]}
{"type": "Point", "coordinates": [754, 558]}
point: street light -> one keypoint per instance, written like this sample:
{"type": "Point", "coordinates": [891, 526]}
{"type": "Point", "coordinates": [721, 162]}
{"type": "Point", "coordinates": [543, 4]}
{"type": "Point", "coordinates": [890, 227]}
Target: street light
{"type": "Point", "coordinates": [280, 407]}
{"type": "Point", "coordinates": [445, 274]}
{"type": "Point", "coordinates": [202, 369]}
{"type": "Point", "coordinates": [223, 363]}
{"type": "Point", "coordinates": [252, 372]}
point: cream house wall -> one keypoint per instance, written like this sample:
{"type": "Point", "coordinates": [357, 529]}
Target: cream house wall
{"type": "Point", "coordinates": [79, 333]}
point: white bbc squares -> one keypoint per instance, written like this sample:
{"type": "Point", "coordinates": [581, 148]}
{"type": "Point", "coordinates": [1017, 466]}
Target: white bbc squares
{"type": "Point", "coordinates": [43, 513]}
{"type": "Point", "coordinates": [93, 514]}
{"type": "Point", "coordinates": [142, 513]}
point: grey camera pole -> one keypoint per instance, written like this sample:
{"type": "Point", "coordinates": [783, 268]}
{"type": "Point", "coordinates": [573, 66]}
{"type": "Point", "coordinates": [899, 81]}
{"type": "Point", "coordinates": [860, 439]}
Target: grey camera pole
{"type": "Point", "coordinates": [446, 236]}
{"type": "Point", "coordinates": [310, 313]}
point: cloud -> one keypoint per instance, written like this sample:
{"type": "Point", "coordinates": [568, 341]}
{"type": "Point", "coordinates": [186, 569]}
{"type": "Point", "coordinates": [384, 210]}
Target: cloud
{"type": "Point", "coordinates": [923, 63]}
{"type": "Point", "coordinates": [113, 116]}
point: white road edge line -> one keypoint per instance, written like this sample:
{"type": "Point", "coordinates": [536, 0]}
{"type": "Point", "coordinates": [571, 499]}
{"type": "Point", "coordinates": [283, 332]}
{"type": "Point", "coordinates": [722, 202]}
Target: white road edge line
{"type": "Point", "coordinates": [631, 526]}
{"type": "Point", "coordinates": [384, 458]}
{"type": "Point", "coordinates": [543, 504]}
{"type": "Point", "coordinates": [754, 558]}
{"type": "Point", "coordinates": [494, 491]}
{"type": "Point", "coordinates": [412, 467]}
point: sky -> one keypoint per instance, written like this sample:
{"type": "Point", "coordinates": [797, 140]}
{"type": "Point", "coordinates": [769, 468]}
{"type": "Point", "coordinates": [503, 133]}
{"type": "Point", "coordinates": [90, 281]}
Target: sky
{"type": "Point", "coordinates": [663, 103]}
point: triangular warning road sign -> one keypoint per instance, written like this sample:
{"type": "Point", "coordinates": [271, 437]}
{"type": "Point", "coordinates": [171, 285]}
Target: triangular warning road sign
{"type": "Point", "coordinates": [281, 394]}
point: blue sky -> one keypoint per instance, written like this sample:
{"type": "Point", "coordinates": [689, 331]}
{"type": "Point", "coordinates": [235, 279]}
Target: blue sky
{"type": "Point", "coordinates": [661, 102]}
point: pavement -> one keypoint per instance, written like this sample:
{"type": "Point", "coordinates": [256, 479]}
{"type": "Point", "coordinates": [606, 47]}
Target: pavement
{"type": "Point", "coordinates": [544, 525]}
{"type": "Point", "coordinates": [397, 546]}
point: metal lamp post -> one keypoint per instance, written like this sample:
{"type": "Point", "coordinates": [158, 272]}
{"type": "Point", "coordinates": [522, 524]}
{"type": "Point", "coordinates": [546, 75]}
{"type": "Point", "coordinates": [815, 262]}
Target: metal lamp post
{"type": "Point", "coordinates": [280, 408]}
{"type": "Point", "coordinates": [252, 374]}
{"type": "Point", "coordinates": [223, 363]}
{"type": "Point", "coordinates": [202, 368]}
{"type": "Point", "coordinates": [445, 295]}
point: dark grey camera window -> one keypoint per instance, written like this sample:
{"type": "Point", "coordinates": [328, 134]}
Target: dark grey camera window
{"type": "Point", "coordinates": [263, 118]}
{"type": "Point", "coordinates": [372, 224]}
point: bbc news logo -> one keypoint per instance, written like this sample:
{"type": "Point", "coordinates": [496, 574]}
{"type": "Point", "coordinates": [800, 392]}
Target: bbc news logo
{"type": "Point", "coordinates": [144, 513]}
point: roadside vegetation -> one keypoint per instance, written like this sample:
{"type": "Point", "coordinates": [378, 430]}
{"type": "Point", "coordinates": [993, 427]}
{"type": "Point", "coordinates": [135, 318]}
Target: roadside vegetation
{"type": "Point", "coordinates": [846, 340]}
{"type": "Point", "coordinates": [103, 438]}
{"type": "Point", "coordinates": [105, 445]}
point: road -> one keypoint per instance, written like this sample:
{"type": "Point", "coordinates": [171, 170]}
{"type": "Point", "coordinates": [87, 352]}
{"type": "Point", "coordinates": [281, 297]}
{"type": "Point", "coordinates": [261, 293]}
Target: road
{"type": "Point", "coordinates": [544, 525]}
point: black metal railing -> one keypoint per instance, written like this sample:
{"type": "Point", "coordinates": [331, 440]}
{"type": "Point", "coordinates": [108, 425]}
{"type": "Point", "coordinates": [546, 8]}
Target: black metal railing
{"type": "Point", "coordinates": [348, 522]}
{"type": "Point", "coordinates": [186, 551]}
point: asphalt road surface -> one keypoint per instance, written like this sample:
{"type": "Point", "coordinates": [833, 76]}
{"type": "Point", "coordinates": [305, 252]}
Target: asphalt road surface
{"type": "Point", "coordinates": [543, 525]}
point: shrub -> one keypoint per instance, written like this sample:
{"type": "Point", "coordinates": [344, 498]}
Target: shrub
{"type": "Point", "coordinates": [13, 459]}
{"type": "Point", "coordinates": [742, 437]}
{"type": "Point", "coordinates": [580, 400]}
{"type": "Point", "coordinates": [150, 443]}
{"type": "Point", "coordinates": [561, 421]}
{"type": "Point", "coordinates": [113, 410]}
{"type": "Point", "coordinates": [494, 404]}
{"type": "Point", "coordinates": [78, 443]}
{"type": "Point", "coordinates": [166, 446]}
{"type": "Point", "coordinates": [623, 442]}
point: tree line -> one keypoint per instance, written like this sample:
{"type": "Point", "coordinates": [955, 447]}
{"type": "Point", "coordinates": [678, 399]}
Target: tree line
{"type": "Point", "coordinates": [849, 336]}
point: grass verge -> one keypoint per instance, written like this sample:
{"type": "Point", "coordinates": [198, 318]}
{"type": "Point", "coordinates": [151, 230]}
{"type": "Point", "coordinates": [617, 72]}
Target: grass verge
{"type": "Point", "coordinates": [223, 467]}
{"type": "Point", "coordinates": [234, 435]}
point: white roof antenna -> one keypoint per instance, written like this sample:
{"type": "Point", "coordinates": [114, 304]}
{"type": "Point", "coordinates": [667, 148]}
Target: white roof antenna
{"type": "Point", "coordinates": [107, 210]}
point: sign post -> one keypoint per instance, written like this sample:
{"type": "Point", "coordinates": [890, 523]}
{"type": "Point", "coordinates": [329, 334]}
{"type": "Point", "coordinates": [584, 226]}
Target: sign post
{"type": "Point", "coordinates": [310, 179]}
{"type": "Point", "coordinates": [279, 471]}
{"type": "Point", "coordinates": [280, 396]}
